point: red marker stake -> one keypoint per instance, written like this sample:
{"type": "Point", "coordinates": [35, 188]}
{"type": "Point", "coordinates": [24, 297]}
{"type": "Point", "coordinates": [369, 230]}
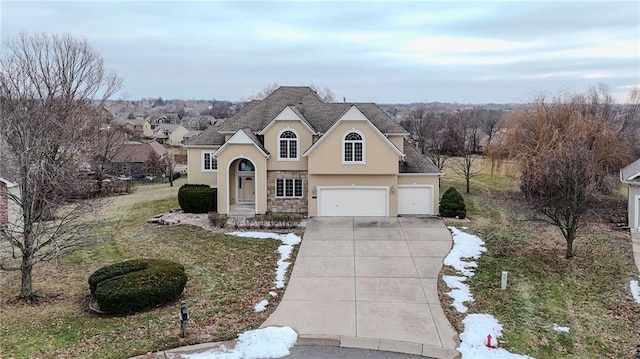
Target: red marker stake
{"type": "Point", "coordinates": [489, 341]}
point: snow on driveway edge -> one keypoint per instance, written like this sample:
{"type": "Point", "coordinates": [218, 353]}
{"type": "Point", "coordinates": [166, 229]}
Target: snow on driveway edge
{"type": "Point", "coordinates": [473, 340]}
{"type": "Point", "coordinates": [288, 241]}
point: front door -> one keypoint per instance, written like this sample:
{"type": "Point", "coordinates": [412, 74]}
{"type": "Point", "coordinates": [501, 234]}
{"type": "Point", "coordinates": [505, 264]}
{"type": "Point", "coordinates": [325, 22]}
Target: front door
{"type": "Point", "coordinates": [246, 189]}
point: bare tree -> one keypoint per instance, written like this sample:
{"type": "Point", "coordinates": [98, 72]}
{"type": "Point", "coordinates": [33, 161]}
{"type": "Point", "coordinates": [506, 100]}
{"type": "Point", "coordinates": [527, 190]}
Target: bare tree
{"type": "Point", "coordinates": [108, 141]}
{"type": "Point", "coordinates": [154, 165]}
{"type": "Point", "coordinates": [468, 164]}
{"type": "Point", "coordinates": [566, 148]}
{"type": "Point", "coordinates": [266, 91]}
{"type": "Point", "coordinates": [325, 94]}
{"type": "Point", "coordinates": [490, 120]}
{"type": "Point", "coordinates": [52, 92]}
{"type": "Point", "coordinates": [561, 185]}
{"type": "Point", "coordinates": [426, 127]}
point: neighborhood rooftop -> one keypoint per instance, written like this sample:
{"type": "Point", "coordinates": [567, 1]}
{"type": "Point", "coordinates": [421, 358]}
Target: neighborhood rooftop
{"type": "Point", "coordinates": [631, 172]}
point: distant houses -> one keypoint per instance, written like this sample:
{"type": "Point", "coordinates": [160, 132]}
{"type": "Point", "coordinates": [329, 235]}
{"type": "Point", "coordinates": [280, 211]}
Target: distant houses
{"type": "Point", "coordinates": [137, 127]}
{"type": "Point", "coordinates": [170, 134]}
{"type": "Point", "coordinates": [130, 160]}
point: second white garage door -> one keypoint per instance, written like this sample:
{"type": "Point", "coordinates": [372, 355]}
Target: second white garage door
{"type": "Point", "coordinates": [352, 201]}
{"type": "Point", "coordinates": [415, 200]}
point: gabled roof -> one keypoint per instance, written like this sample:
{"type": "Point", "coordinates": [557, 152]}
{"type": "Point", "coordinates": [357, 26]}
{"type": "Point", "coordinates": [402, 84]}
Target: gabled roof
{"type": "Point", "coordinates": [123, 121]}
{"type": "Point", "coordinates": [8, 183]}
{"type": "Point", "coordinates": [287, 114]}
{"type": "Point", "coordinates": [210, 136]}
{"type": "Point", "coordinates": [353, 114]}
{"type": "Point", "coordinates": [168, 127]}
{"type": "Point", "coordinates": [243, 137]}
{"type": "Point", "coordinates": [631, 173]}
{"type": "Point", "coordinates": [138, 152]}
{"type": "Point", "coordinates": [416, 162]}
{"type": "Point", "coordinates": [257, 114]}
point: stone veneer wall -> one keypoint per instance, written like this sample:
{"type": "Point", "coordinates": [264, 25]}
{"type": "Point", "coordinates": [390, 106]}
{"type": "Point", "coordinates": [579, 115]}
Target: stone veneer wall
{"type": "Point", "coordinates": [287, 205]}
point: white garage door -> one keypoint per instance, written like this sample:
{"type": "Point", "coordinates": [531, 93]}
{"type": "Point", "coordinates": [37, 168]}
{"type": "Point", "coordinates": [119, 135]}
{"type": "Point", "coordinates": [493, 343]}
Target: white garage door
{"type": "Point", "coordinates": [352, 201]}
{"type": "Point", "coordinates": [415, 200]}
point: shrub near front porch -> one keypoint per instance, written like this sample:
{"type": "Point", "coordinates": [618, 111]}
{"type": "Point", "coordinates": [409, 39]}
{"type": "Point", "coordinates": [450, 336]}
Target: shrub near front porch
{"type": "Point", "coordinates": [198, 198]}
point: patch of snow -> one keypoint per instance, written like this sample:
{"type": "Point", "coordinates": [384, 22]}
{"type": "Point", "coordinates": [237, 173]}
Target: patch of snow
{"type": "Point", "coordinates": [273, 294]}
{"type": "Point", "coordinates": [288, 241]}
{"type": "Point", "coordinates": [269, 342]}
{"type": "Point", "coordinates": [464, 227]}
{"type": "Point", "coordinates": [560, 329]}
{"type": "Point", "coordinates": [260, 307]}
{"type": "Point", "coordinates": [474, 338]}
{"type": "Point", "coordinates": [460, 292]}
{"type": "Point", "coordinates": [465, 246]}
{"type": "Point", "coordinates": [635, 290]}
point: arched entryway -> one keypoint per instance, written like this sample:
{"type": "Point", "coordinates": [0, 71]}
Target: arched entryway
{"type": "Point", "coordinates": [242, 186]}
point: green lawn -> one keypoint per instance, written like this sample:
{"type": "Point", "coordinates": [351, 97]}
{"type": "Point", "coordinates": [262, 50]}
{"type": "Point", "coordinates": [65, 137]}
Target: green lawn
{"type": "Point", "coordinates": [589, 294]}
{"type": "Point", "coordinates": [227, 277]}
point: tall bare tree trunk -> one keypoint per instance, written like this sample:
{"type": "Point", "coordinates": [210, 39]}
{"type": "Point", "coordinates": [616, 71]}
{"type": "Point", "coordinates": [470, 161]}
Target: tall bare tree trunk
{"type": "Point", "coordinates": [26, 287]}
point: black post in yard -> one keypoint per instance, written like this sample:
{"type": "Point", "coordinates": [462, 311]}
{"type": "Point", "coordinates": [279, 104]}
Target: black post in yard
{"type": "Point", "coordinates": [184, 318]}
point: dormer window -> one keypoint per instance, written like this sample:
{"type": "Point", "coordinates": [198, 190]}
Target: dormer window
{"type": "Point", "coordinates": [288, 146]}
{"type": "Point", "coordinates": [353, 147]}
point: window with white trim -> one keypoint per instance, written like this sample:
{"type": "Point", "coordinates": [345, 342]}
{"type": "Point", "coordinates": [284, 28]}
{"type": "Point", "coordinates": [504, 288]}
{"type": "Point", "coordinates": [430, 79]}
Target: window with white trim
{"type": "Point", "coordinates": [353, 148]}
{"type": "Point", "coordinates": [209, 163]}
{"type": "Point", "coordinates": [288, 146]}
{"type": "Point", "coordinates": [289, 188]}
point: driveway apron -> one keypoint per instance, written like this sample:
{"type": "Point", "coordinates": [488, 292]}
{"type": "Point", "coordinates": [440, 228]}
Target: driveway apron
{"type": "Point", "coordinates": [370, 282]}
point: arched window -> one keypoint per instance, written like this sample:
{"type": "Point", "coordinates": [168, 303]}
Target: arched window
{"type": "Point", "coordinates": [288, 145]}
{"type": "Point", "coordinates": [353, 148]}
{"type": "Point", "coordinates": [245, 166]}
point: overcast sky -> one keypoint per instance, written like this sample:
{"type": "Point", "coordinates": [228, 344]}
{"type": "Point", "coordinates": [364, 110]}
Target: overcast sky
{"type": "Point", "coordinates": [466, 52]}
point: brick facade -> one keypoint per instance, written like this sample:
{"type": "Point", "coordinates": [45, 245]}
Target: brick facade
{"type": "Point", "coordinates": [287, 205]}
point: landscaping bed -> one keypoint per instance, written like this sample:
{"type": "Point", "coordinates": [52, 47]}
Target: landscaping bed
{"type": "Point", "coordinates": [228, 276]}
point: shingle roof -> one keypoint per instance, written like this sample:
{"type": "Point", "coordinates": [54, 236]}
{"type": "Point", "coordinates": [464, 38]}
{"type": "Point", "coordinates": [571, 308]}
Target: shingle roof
{"type": "Point", "coordinates": [255, 139]}
{"type": "Point", "coordinates": [321, 116]}
{"type": "Point", "coordinates": [123, 121]}
{"type": "Point", "coordinates": [416, 162]}
{"type": "Point", "coordinates": [170, 127]}
{"type": "Point", "coordinates": [631, 173]}
{"type": "Point", "coordinates": [138, 152]}
{"type": "Point", "coordinates": [210, 136]}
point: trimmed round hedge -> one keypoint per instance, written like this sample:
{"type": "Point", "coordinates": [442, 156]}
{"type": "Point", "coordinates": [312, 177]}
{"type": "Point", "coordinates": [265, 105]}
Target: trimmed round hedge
{"type": "Point", "coordinates": [137, 284]}
{"type": "Point", "coordinates": [452, 204]}
{"type": "Point", "coordinates": [198, 198]}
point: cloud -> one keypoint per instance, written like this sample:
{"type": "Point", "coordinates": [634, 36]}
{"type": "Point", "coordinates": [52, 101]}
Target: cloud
{"type": "Point", "coordinates": [375, 51]}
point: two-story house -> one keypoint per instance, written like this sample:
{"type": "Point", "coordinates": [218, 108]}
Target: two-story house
{"type": "Point", "coordinates": [169, 134]}
{"type": "Point", "coordinates": [291, 152]}
{"type": "Point", "coordinates": [137, 127]}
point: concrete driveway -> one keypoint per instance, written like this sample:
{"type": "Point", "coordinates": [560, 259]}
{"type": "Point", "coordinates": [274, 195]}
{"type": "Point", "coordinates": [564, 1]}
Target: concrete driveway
{"type": "Point", "coordinates": [370, 282]}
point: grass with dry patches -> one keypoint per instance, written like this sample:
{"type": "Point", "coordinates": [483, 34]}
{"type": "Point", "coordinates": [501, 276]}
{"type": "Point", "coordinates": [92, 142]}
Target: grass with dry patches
{"type": "Point", "coordinates": [227, 277]}
{"type": "Point", "coordinates": [589, 294]}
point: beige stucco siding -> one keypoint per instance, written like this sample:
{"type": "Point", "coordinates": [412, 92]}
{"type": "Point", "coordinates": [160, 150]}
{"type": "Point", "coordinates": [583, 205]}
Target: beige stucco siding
{"type": "Point", "coordinates": [226, 173]}
{"type": "Point", "coordinates": [146, 129]}
{"type": "Point", "coordinates": [398, 141]}
{"type": "Point", "coordinates": [271, 140]}
{"type": "Point", "coordinates": [176, 137]}
{"type": "Point", "coordinates": [418, 179]}
{"type": "Point", "coordinates": [194, 163]}
{"type": "Point", "coordinates": [352, 180]}
{"type": "Point", "coordinates": [634, 207]}
{"type": "Point", "coordinates": [379, 156]}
